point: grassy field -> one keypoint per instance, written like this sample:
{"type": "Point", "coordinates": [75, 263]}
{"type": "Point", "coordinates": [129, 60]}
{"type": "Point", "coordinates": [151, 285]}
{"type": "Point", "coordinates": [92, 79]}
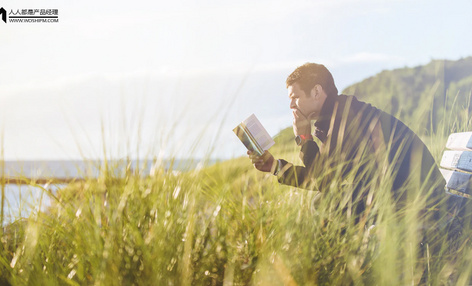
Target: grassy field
{"type": "Point", "coordinates": [227, 224]}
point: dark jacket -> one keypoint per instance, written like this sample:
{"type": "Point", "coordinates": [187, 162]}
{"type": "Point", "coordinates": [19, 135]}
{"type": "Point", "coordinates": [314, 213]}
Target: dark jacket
{"type": "Point", "coordinates": [361, 141]}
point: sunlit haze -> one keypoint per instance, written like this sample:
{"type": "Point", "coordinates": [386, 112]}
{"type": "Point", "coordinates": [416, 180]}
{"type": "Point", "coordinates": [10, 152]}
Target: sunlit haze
{"type": "Point", "coordinates": [174, 77]}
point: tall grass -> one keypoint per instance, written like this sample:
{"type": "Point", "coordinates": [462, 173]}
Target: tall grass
{"type": "Point", "coordinates": [227, 224]}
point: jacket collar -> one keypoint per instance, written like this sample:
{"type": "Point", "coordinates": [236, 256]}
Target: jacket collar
{"type": "Point", "coordinates": [323, 122]}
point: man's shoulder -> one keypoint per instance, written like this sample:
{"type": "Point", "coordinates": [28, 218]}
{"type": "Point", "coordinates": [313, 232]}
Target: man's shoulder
{"type": "Point", "coordinates": [368, 112]}
{"type": "Point", "coordinates": [356, 106]}
{"type": "Point", "coordinates": [362, 106]}
{"type": "Point", "coordinates": [352, 99]}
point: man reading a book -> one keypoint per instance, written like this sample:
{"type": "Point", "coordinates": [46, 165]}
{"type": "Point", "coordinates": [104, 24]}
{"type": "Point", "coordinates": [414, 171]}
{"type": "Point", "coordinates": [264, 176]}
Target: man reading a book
{"type": "Point", "coordinates": [355, 144]}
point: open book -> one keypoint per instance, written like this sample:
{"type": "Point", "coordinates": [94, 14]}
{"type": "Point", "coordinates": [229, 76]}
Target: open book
{"type": "Point", "coordinates": [253, 135]}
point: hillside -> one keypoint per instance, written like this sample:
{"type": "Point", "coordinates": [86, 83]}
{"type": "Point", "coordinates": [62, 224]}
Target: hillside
{"type": "Point", "coordinates": [443, 85]}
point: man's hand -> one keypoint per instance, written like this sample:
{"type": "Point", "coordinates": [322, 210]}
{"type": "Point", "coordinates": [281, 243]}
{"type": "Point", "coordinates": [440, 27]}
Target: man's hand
{"type": "Point", "coordinates": [264, 163]}
{"type": "Point", "coordinates": [301, 124]}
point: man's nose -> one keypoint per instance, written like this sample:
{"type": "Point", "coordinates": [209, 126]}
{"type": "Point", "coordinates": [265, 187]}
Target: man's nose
{"type": "Point", "coordinates": [292, 104]}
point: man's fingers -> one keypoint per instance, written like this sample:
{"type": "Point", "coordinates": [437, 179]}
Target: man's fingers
{"type": "Point", "coordinates": [298, 115]}
{"type": "Point", "coordinates": [252, 154]}
{"type": "Point", "coordinates": [265, 154]}
{"type": "Point", "coordinates": [255, 158]}
{"type": "Point", "coordinates": [258, 160]}
{"type": "Point", "coordinates": [259, 163]}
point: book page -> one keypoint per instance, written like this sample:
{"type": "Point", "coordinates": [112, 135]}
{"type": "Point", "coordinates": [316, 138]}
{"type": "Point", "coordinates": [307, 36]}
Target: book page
{"type": "Point", "coordinates": [253, 135]}
{"type": "Point", "coordinates": [247, 139]}
{"type": "Point", "coordinates": [259, 133]}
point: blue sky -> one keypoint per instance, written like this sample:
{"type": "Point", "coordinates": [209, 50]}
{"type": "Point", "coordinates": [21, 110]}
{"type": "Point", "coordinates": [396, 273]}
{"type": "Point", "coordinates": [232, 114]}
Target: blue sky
{"type": "Point", "coordinates": [180, 69]}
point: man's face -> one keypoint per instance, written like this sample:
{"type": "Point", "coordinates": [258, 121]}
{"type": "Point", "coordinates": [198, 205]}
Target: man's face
{"type": "Point", "coordinates": [307, 104]}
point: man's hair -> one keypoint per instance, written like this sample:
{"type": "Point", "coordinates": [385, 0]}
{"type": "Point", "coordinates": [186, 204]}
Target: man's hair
{"type": "Point", "coordinates": [309, 75]}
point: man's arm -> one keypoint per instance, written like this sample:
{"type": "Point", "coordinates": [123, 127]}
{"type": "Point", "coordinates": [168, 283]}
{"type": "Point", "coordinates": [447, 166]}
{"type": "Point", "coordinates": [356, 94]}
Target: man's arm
{"type": "Point", "coordinates": [299, 176]}
{"type": "Point", "coordinates": [287, 173]}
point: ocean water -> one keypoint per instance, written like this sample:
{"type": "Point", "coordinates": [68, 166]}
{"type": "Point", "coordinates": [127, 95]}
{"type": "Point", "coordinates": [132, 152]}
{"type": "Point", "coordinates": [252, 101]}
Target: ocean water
{"type": "Point", "coordinates": [22, 200]}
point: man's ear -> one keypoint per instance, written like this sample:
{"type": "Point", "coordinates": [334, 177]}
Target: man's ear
{"type": "Point", "coordinates": [315, 91]}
